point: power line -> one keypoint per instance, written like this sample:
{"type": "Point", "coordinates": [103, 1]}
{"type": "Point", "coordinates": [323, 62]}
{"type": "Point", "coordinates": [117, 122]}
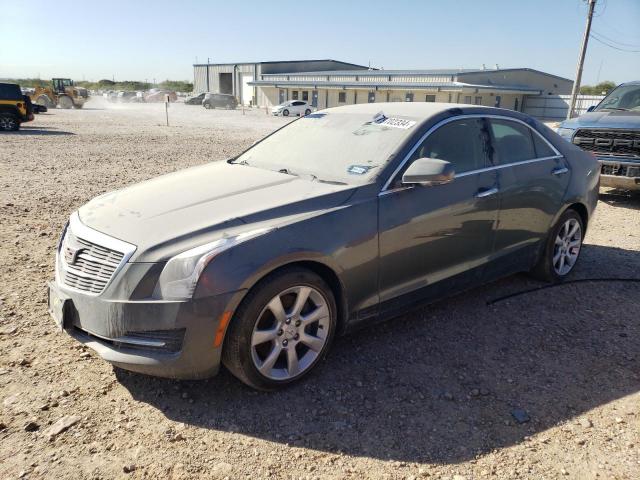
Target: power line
{"type": "Point", "coordinates": [616, 41]}
{"type": "Point", "coordinates": [613, 46]}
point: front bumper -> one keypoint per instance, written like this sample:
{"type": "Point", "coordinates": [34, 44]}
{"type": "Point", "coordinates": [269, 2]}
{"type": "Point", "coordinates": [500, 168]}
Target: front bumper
{"type": "Point", "coordinates": [617, 173]}
{"type": "Point", "coordinates": [161, 338]}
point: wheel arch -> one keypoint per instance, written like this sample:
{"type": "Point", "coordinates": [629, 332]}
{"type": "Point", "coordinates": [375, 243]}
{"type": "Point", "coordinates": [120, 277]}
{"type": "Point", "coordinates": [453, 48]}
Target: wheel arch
{"type": "Point", "coordinates": [321, 269]}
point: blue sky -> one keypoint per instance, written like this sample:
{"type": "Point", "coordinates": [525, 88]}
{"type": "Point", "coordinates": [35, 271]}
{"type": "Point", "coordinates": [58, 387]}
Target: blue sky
{"type": "Point", "coordinates": [138, 40]}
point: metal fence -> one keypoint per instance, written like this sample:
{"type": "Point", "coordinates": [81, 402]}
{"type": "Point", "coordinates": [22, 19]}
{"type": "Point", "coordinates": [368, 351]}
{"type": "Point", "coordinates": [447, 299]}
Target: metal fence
{"type": "Point", "coordinates": [557, 106]}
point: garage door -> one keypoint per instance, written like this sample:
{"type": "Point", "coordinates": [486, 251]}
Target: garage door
{"type": "Point", "coordinates": [247, 90]}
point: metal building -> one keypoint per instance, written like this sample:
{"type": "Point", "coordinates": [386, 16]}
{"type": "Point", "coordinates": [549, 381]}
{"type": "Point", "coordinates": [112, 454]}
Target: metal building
{"type": "Point", "coordinates": [236, 78]}
{"type": "Point", "coordinates": [330, 83]}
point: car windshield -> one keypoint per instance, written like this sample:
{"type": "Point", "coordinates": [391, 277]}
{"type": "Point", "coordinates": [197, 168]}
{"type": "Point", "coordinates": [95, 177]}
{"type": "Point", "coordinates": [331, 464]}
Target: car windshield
{"type": "Point", "coordinates": [332, 146]}
{"type": "Point", "coordinates": [625, 97]}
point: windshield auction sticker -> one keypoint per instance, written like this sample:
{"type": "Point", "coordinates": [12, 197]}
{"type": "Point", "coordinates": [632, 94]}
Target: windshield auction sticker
{"type": "Point", "coordinates": [397, 123]}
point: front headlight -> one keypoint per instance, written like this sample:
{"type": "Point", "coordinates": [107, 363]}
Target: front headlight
{"type": "Point", "coordinates": [181, 273]}
{"type": "Point", "coordinates": [565, 133]}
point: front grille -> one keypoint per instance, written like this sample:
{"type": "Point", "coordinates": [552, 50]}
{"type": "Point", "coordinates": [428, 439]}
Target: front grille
{"type": "Point", "coordinates": [87, 266]}
{"type": "Point", "coordinates": [616, 143]}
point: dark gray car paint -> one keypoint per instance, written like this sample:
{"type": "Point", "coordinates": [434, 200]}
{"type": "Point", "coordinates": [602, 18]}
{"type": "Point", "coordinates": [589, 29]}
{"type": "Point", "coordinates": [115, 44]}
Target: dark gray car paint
{"type": "Point", "coordinates": [378, 251]}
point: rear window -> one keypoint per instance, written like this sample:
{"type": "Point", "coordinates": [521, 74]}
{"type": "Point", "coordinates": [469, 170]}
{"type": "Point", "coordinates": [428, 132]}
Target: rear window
{"type": "Point", "coordinates": [10, 91]}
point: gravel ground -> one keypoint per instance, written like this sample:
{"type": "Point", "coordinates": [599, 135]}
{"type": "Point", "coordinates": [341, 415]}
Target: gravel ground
{"type": "Point", "coordinates": [542, 385]}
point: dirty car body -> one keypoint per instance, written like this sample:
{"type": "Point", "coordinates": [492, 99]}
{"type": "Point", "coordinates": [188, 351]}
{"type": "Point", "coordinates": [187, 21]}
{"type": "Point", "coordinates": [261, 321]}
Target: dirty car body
{"type": "Point", "coordinates": [152, 276]}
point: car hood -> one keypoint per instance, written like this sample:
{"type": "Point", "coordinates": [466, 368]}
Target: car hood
{"type": "Point", "coordinates": [604, 119]}
{"type": "Point", "coordinates": [172, 213]}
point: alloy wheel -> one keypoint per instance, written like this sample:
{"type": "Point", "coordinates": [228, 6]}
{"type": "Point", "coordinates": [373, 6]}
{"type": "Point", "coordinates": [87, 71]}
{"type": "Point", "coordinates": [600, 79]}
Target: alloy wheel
{"type": "Point", "coordinates": [567, 247]}
{"type": "Point", "coordinates": [290, 333]}
{"type": "Point", "coordinates": [7, 123]}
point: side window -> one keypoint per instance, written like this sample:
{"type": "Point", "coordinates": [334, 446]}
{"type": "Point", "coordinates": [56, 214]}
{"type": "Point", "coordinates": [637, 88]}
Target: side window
{"type": "Point", "coordinates": [297, 104]}
{"type": "Point", "coordinates": [512, 141]}
{"type": "Point", "coordinates": [461, 142]}
{"type": "Point", "coordinates": [542, 148]}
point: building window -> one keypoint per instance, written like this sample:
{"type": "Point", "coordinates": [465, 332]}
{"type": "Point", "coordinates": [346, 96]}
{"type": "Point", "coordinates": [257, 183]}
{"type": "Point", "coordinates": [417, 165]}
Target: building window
{"type": "Point", "coordinates": [305, 96]}
{"type": "Point", "coordinates": [342, 97]}
{"type": "Point", "coordinates": [432, 98]}
{"type": "Point", "coordinates": [372, 97]}
{"type": "Point", "coordinates": [467, 99]}
{"type": "Point", "coordinates": [478, 101]}
{"type": "Point", "coordinates": [294, 95]}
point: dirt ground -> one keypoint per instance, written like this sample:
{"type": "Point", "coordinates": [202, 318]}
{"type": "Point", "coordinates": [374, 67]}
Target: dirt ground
{"type": "Point", "coordinates": [543, 385]}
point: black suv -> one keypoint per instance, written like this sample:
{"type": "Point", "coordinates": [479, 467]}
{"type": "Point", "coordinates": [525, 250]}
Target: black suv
{"type": "Point", "coordinates": [15, 108]}
{"type": "Point", "coordinates": [219, 100]}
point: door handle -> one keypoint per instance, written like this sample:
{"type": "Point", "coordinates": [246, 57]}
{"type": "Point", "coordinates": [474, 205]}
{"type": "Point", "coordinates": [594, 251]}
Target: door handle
{"type": "Point", "coordinates": [486, 192]}
{"type": "Point", "coordinates": [560, 170]}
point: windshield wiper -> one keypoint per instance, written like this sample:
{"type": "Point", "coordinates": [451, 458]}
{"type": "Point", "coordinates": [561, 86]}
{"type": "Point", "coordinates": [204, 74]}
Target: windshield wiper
{"type": "Point", "coordinates": [616, 108]}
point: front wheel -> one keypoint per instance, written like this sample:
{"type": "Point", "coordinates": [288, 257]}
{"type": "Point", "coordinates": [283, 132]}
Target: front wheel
{"type": "Point", "coordinates": [282, 329]}
{"type": "Point", "coordinates": [207, 106]}
{"type": "Point", "coordinates": [562, 248]}
{"type": "Point", "coordinates": [65, 102]}
{"type": "Point", "coordinates": [9, 123]}
{"type": "Point", "coordinates": [285, 113]}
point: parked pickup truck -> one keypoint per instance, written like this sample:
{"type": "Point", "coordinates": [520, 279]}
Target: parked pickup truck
{"type": "Point", "coordinates": [611, 130]}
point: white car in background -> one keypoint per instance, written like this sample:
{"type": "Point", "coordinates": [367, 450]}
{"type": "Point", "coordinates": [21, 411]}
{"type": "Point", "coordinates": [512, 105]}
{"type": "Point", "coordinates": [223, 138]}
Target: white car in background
{"type": "Point", "coordinates": [292, 107]}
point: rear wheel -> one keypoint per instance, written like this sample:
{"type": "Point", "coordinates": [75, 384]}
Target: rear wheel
{"type": "Point", "coordinates": [9, 123]}
{"type": "Point", "coordinates": [307, 112]}
{"type": "Point", "coordinates": [562, 248]}
{"type": "Point", "coordinates": [282, 329]}
{"type": "Point", "coordinates": [65, 102]}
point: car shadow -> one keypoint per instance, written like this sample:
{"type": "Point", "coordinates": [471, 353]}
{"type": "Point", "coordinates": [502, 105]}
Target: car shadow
{"type": "Point", "coordinates": [447, 382]}
{"type": "Point", "coordinates": [621, 198]}
{"type": "Point", "coordinates": [39, 131]}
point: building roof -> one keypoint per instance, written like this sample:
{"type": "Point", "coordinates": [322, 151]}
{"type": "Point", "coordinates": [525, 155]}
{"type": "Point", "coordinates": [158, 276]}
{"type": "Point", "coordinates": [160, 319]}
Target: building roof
{"type": "Point", "coordinates": [284, 61]}
{"type": "Point", "coordinates": [437, 71]}
{"type": "Point", "coordinates": [458, 86]}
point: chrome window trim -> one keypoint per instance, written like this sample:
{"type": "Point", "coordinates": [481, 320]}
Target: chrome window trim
{"type": "Point", "coordinates": [493, 167]}
{"type": "Point", "coordinates": [79, 229]}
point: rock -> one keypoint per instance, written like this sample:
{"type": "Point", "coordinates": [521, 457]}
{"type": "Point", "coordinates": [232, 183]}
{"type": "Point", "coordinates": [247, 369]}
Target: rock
{"type": "Point", "coordinates": [448, 396]}
{"type": "Point", "coordinates": [23, 362]}
{"type": "Point", "coordinates": [619, 420]}
{"type": "Point", "coordinates": [128, 468]}
{"type": "Point", "coordinates": [222, 468]}
{"type": "Point", "coordinates": [61, 425]}
{"type": "Point", "coordinates": [586, 423]}
{"type": "Point", "coordinates": [31, 426]}
{"type": "Point", "coordinates": [521, 416]}
{"type": "Point", "coordinates": [475, 392]}
{"type": "Point", "coordinates": [85, 355]}
{"type": "Point", "coordinates": [10, 330]}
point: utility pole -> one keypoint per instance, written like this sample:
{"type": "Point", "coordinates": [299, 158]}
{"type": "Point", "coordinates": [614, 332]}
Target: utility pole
{"type": "Point", "coordinates": [583, 52]}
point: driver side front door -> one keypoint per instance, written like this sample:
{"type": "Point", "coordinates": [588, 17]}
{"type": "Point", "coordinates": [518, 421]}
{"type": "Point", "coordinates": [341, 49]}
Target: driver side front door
{"type": "Point", "coordinates": [437, 237]}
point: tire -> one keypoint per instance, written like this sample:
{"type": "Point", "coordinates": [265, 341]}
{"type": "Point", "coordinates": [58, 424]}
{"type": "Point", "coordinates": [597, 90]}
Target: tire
{"type": "Point", "coordinates": [9, 123]}
{"type": "Point", "coordinates": [285, 113]}
{"type": "Point", "coordinates": [266, 353]}
{"type": "Point", "coordinates": [307, 112]}
{"type": "Point", "coordinates": [65, 102]}
{"type": "Point", "coordinates": [44, 101]}
{"type": "Point", "coordinates": [207, 106]}
{"type": "Point", "coordinates": [562, 247]}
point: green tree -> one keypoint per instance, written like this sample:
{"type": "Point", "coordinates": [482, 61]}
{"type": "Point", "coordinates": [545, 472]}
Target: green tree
{"type": "Point", "coordinates": [601, 88]}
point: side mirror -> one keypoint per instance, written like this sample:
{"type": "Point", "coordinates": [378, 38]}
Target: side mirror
{"type": "Point", "coordinates": [591, 108]}
{"type": "Point", "coordinates": [428, 171]}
